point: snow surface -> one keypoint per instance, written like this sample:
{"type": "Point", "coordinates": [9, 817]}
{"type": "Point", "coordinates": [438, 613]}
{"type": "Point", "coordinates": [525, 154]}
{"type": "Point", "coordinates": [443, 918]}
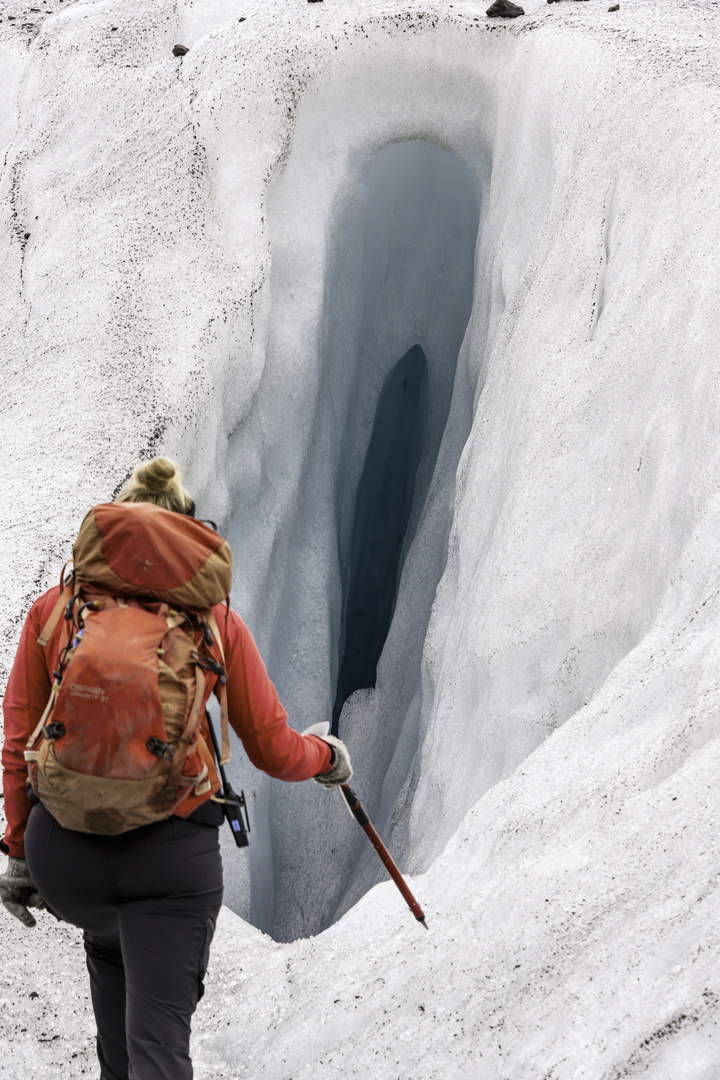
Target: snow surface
{"type": "Point", "coordinates": [219, 258]}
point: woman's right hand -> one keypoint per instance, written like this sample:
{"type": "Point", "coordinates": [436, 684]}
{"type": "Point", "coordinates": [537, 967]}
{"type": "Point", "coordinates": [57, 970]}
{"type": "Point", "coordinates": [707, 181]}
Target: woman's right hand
{"type": "Point", "coordinates": [340, 769]}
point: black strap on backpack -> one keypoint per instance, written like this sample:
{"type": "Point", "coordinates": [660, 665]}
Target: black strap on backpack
{"type": "Point", "coordinates": [233, 804]}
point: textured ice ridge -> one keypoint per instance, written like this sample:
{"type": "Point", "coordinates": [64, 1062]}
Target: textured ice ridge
{"type": "Point", "coordinates": [185, 243]}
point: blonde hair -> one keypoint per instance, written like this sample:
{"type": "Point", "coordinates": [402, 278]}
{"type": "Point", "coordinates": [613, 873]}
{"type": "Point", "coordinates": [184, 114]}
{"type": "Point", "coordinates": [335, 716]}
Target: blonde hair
{"type": "Point", "coordinates": [158, 481]}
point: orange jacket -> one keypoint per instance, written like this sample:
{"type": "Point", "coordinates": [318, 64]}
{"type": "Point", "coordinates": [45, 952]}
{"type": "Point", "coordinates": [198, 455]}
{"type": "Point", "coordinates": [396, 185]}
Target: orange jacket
{"type": "Point", "coordinates": [254, 709]}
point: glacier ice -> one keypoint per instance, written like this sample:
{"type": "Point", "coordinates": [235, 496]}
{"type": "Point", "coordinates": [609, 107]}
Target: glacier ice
{"type": "Point", "coordinates": [540, 744]}
{"type": "Point", "coordinates": [398, 272]}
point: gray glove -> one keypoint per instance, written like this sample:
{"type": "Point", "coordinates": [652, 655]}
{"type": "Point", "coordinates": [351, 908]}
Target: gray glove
{"type": "Point", "coordinates": [340, 770]}
{"type": "Point", "coordinates": [18, 892]}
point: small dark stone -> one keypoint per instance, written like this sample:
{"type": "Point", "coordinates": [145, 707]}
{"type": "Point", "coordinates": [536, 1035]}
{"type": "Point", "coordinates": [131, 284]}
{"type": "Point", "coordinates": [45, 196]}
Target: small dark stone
{"type": "Point", "coordinates": [113, 27]}
{"type": "Point", "coordinates": [614, 7]}
{"type": "Point", "coordinates": [505, 9]}
{"type": "Point", "coordinates": [179, 50]}
{"type": "Point", "coordinates": [314, 1]}
{"type": "Point", "coordinates": [33, 994]}
{"type": "Point", "coordinates": [242, 19]}
{"type": "Point", "coordinates": [27, 235]}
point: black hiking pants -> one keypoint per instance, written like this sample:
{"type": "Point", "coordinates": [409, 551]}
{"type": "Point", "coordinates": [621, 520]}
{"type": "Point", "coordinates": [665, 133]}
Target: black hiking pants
{"type": "Point", "coordinates": [147, 902]}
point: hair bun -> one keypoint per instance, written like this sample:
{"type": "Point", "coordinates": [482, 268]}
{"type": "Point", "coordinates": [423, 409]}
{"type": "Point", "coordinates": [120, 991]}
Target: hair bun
{"type": "Point", "coordinates": [161, 474]}
{"type": "Point", "coordinates": [158, 481]}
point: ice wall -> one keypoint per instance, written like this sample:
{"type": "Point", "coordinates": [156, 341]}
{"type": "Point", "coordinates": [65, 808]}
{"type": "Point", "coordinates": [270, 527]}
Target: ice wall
{"type": "Point", "coordinates": [396, 266]}
{"type": "Point", "coordinates": [182, 242]}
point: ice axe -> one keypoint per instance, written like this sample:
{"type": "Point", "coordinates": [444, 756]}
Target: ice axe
{"type": "Point", "coordinates": [354, 806]}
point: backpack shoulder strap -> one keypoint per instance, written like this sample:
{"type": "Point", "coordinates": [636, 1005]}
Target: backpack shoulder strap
{"type": "Point", "coordinates": [222, 694]}
{"type": "Point", "coordinates": [66, 594]}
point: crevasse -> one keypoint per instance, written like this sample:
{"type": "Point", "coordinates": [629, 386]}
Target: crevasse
{"type": "Point", "coordinates": [397, 294]}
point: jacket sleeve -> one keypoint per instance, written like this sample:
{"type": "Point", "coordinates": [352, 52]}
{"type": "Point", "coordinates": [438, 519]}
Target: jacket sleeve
{"type": "Point", "coordinates": [26, 695]}
{"type": "Point", "coordinates": [257, 716]}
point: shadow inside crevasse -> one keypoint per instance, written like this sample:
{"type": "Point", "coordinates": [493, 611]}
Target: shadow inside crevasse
{"type": "Point", "coordinates": [383, 504]}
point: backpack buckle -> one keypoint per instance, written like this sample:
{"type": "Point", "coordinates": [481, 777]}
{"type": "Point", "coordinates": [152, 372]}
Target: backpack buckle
{"type": "Point", "coordinates": [160, 749]}
{"type": "Point", "coordinates": [207, 663]}
{"type": "Point", "coordinates": [55, 730]}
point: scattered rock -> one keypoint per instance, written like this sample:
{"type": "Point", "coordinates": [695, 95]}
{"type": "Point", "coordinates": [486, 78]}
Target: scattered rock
{"type": "Point", "coordinates": [505, 9]}
{"type": "Point", "coordinates": [242, 19]}
{"type": "Point", "coordinates": [179, 50]}
{"type": "Point", "coordinates": [614, 7]}
{"type": "Point", "coordinates": [314, 1]}
{"type": "Point", "coordinates": [33, 994]}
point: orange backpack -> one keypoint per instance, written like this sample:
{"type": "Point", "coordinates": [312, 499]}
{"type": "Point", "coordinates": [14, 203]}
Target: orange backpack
{"type": "Point", "coordinates": [119, 744]}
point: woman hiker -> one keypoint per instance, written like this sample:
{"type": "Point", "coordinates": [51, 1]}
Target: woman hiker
{"type": "Point", "coordinates": [147, 898]}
